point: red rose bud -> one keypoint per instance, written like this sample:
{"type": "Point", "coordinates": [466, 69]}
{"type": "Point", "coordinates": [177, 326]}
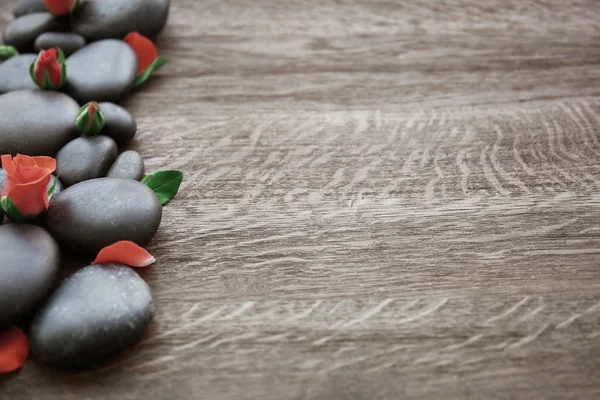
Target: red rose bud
{"type": "Point", "coordinates": [25, 192]}
{"type": "Point", "coordinates": [48, 71]}
{"type": "Point", "coordinates": [90, 120]}
{"type": "Point", "coordinates": [147, 56]}
{"type": "Point", "coordinates": [62, 7]}
{"type": "Point", "coordinates": [7, 51]}
{"type": "Point", "coordinates": [14, 349]}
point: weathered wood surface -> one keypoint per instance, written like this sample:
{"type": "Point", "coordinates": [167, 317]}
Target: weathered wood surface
{"type": "Point", "coordinates": [383, 200]}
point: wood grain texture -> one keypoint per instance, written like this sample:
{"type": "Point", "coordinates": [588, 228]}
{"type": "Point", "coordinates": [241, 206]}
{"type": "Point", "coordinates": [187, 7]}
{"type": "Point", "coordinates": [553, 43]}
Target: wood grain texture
{"type": "Point", "coordinates": [382, 200]}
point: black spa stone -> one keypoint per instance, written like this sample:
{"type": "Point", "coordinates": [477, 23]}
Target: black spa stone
{"type": "Point", "coordinates": [93, 316]}
{"type": "Point", "coordinates": [128, 165]}
{"type": "Point", "coordinates": [85, 158]}
{"type": "Point", "coordinates": [69, 43]}
{"type": "Point", "coordinates": [36, 122]}
{"type": "Point", "coordinates": [22, 32]}
{"type": "Point", "coordinates": [119, 123]}
{"type": "Point", "coordinates": [29, 6]}
{"type": "Point", "coordinates": [96, 213]}
{"type": "Point", "coordinates": [29, 263]}
{"type": "Point", "coordinates": [14, 73]}
{"type": "Point", "coordinates": [101, 71]}
{"type": "Point", "coordinates": [103, 19]}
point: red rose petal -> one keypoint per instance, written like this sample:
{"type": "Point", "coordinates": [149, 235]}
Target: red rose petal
{"type": "Point", "coordinates": [14, 350]}
{"type": "Point", "coordinates": [144, 49]}
{"type": "Point", "coordinates": [59, 7]}
{"type": "Point", "coordinates": [125, 252]}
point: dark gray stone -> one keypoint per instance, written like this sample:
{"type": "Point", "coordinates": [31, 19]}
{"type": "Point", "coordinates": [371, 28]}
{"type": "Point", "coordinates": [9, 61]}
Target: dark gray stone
{"type": "Point", "coordinates": [14, 73]}
{"type": "Point", "coordinates": [128, 165]}
{"type": "Point", "coordinates": [69, 43]}
{"type": "Point", "coordinates": [85, 158]}
{"type": "Point", "coordinates": [101, 71]}
{"type": "Point", "coordinates": [29, 265]}
{"type": "Point", "coordinates": [103, 19]}
{"type": "Point", "coordinates": [93, 316]}
{"type": "Point", "coordinates": [29, 6]}
{"type": "Point", "coordinates": [119, 123]}
{"type": "Point", "coordinates": [36, 122]}
{"type": "Point", "coordinates": [96, 213]}
{"type": "Point", "coordinates": [22, 32]}
{"type": "Point", "coordinates": [57, 189]}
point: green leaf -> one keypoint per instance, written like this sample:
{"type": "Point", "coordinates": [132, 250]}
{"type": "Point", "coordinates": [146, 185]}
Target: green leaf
{"type": "Point", "coordinates": [11, 210]}
{"type": "Point", "coordinates": [144, 76]}
{"type": "Point", "coordinates": [7, 52]}
{"type": "Point", "coordinates": [164, 183]}
{"type": "Point", "coordinates": [52, 189]}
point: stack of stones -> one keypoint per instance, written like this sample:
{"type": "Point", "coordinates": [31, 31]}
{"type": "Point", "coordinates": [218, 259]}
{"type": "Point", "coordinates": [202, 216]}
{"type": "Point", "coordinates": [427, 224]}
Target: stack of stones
{"type": "Point", "coordinates": [96, 197]}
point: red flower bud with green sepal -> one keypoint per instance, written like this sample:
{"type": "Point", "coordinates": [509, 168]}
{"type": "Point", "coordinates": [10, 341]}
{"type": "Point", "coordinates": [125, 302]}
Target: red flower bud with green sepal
{"type": "Point", "coordinates": [147, 56]}
{"type": "Point", "coordinates": [90, 120]}
{"type": "Point", "coordinates": [49, 71]}
{"type": "Point", "coordinates": [62, 7]}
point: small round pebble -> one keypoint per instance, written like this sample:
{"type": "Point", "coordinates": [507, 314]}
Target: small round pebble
{"type": "Point", "coordinates": [85, 158]}
{"type": "Point", "coordinates": [69, 43]}
{"type": "Point", "coordinates": [22, 32]}
{"type": "Point", "coordinates": [93, 316]}
{"type": "Point", "coordinates": [29, 263]}
{"type": "Point", "coordinates": [14, 73]}
{"type": "Point", "coordinates": [128, 165]}
{"type": "Point", "coordinates": [36, 122]}
{"type": "Point", "coordinates": [93, 214]}
{"type": "Point", "coordinates": [119, 123]}
{"type": "Point", "coordinates": [103, 19]}
{"type": "Point", "coordinates": [29, 6]}
{"type": "Point", "coordinates": [101, 71]}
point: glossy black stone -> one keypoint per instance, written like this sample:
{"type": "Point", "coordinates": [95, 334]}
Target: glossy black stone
{"type": "Point", "coordinates": [29, 6]}
{"type": "Point", "coordinates": [96, 213]}
{"type": "Point", "coordinates": [29, 263]}
{"type": "Point", "coordinates": [93, 315]}
{"type": "Point", "coordinates": [69, 43]}
{"type": "Point", "coordinates": [128, 165]}
{"type": "Point", "coordinates": [119, 123]}
{"type": "Point", "coordinates": [14, 73]}
{"type": "Point", "coordinates": [103, 19]}
{"type": "Point", "coordinates": [85, 158]}
{"type": "Point", "coordinates": [101, 71]}
{"type": "Point", "coordinates": [36, 122]}
{"type": "Point", "coordinates": [22, 32]}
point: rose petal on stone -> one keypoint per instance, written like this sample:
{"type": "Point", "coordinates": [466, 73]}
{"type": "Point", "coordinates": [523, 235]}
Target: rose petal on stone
{"type": "Point", "coordinates": [144, 49]}
{"type": "Point", "coordinates": [125, 252]}
{"type": "Point", "coordinates": [14, 350]}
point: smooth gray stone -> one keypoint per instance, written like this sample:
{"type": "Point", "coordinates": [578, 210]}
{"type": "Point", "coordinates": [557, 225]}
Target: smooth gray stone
{"type": "Point", "coordinates": [93, 214]}
{"type": "Point", "coordinates": [36, 122]}
{"type": "Point", "coordinates": [103, 19]}
{"type": "Point", "coordinates": [30, 259]}
{"type": "Point", "coordinates": [85, 158]}
{"type": "Point", "coordinates": [128, 165]}
{"type": "Point", "coordinates": [57, 189]}
{"type": "Point", "coordinates": [14, 73]}
{"type": "Point", "coordinates": [69, 43]}
{"type": "Point", "coordinates": [29, 6]}
{"type": "Point", "coordinates": [101, 71]}
{"type": "Point", "coordinates": [22, 32]}
{"type": "Point", "coordinates": [119, 123]}
{"type": "Point", "coordinates": [94, 315]}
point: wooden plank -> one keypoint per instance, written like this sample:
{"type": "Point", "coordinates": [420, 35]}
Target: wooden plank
{"type": "Point", "coordinates": [381, 200]}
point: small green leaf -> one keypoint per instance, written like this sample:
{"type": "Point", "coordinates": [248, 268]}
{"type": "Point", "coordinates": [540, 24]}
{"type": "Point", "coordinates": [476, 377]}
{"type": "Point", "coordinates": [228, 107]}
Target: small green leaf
{"type": "Point", "coordinates": [11, 210]}
{"type": "Point", "coordinates": [144, 76]}
{"type": "Point", "coordinates": [52, 189]}
{"type": "Point", "coordinates": [164, 183]}
{"type": "Point", "coordinates": [7, 52]}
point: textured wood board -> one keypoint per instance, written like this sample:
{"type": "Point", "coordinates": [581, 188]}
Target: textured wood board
{"type": "Point", "coordinates": [382, 200]}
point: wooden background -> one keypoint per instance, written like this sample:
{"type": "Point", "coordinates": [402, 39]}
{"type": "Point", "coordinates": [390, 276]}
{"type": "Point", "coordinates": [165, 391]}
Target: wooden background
{"type": "Point", "coordinates": [382, 200]}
